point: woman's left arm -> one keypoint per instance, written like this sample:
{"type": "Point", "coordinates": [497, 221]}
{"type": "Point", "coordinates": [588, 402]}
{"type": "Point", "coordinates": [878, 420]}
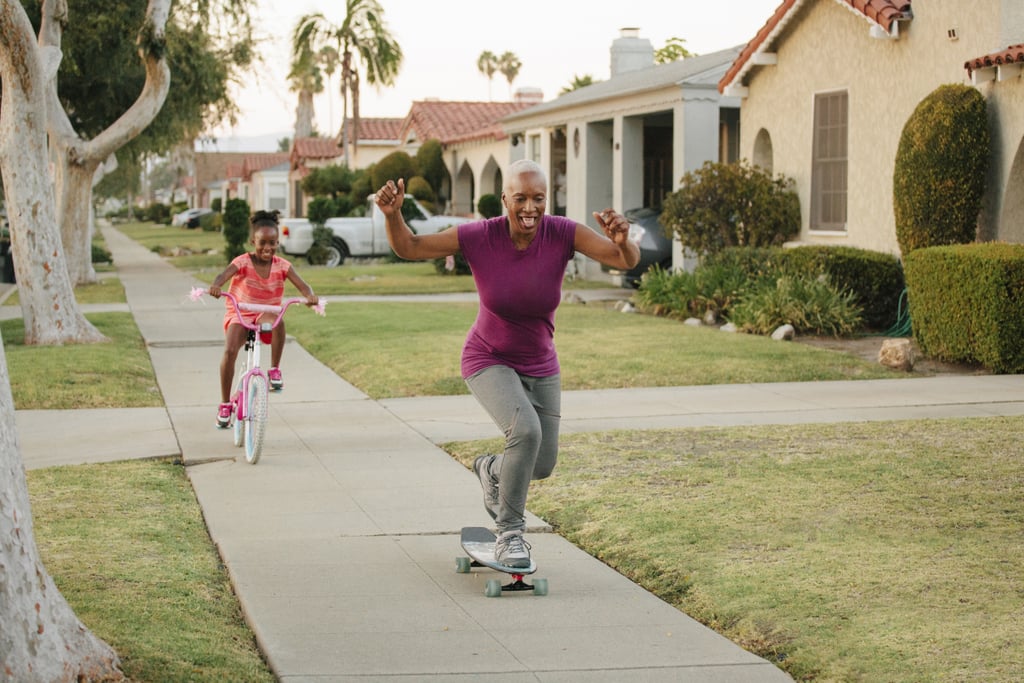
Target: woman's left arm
{"type": "Point", "coordinates": [614, 248]}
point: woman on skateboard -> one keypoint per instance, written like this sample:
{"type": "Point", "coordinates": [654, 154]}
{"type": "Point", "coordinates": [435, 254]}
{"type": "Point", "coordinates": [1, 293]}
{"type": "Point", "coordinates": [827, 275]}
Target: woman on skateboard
{"type": "Point", "coordinates": [509, 361]}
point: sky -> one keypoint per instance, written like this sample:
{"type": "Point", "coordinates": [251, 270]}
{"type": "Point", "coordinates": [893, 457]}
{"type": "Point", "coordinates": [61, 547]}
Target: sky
{"type": "Point", "coordinates": [555, 40]}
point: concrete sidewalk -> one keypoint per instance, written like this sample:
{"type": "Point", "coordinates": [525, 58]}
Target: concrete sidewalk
{"type": "Point", "coordinates": [341, 542]}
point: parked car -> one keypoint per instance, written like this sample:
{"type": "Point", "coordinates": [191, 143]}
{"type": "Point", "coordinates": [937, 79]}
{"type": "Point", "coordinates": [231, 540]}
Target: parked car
{"type": "Point", "coordinates": [647, 232]}
{"type": "Point", "coordinates": [296, 236]}
{"type": "Point", "coordinates": [360, 236]}
{"type": "Point", "coordinates": [189, 218]}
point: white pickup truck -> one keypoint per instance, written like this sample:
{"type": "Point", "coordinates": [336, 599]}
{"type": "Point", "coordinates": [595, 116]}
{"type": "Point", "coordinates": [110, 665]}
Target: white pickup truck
{"type": "Point", "coordinates": [360, 236]}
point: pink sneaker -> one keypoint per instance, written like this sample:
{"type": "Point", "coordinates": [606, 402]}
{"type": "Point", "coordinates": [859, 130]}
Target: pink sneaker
{"type": "Point", "coordinates": [224, 416]}
{"type": "Point", "coordinates": [276, 382]}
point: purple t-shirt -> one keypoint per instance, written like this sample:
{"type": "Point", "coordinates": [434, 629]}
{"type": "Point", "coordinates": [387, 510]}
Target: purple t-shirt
{"type": "Point", "coordinates": [519, 293]}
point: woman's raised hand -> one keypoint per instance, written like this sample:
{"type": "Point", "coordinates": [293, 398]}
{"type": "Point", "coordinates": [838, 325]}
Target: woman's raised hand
{"type": "Point", "coordinates": [390, 197]}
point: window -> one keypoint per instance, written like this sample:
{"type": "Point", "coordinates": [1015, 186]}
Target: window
{"type": "Point", "coordinates": [277, 196]}
{"type": "Point", "coordinates": [828, 168]}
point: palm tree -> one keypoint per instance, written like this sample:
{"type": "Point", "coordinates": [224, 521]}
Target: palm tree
{"type": "Point", "coordinates": [487, 63]}
{"type": "Point", "coordinates": [509, 65]}
{"type": "Point", "coordinates": [577, 83]}
{"type": "Point", "coordinates": [305, 79]}
{"type": "Point", "coordinates": [365, 46]}
{"type": "Point", "coordinates": [329, 60]}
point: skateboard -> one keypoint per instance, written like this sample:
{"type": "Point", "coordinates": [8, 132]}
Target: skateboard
{"type": "Point", "coordinates": [478, 543]}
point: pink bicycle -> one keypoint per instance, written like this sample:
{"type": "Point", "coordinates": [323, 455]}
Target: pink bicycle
{"type": "Point", "coordinates": [252, 396]}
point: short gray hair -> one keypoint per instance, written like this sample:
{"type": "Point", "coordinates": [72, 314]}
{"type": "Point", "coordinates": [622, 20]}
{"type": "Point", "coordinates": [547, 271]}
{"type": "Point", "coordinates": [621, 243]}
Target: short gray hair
{"type": "Point", "coordinates": [524, 166]}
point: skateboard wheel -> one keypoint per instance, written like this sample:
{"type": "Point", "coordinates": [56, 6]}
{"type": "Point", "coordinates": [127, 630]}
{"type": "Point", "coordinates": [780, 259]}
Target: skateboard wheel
{"type": "Point", "coordinates": [462, 565]}
{"type": "Point", "coordinates": [540, 586]}
{"type": "Point", "coordinates": [493, 589]}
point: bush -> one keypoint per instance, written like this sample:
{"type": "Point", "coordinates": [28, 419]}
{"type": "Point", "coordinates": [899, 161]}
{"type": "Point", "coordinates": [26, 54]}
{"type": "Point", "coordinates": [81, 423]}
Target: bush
{"type": "Point", "coordinates": [157, 213]}
{"type": "Point", "coordinates": [236, 227]}
{"type": "Point", "coordinates": [430, 165]}
{"type": "Point", "coordinates": [489, 206]}
{"type": "Point", "coordinates": [322, 238]}
{"type": "Point", "coordinates": [392, 167]}
{"type": "Point", "coordinates": [965, 303]}
{"type": "Point", "coordinates": [681, 294]}
{"type": "Point", "coordinates": [810, 305]}
{"type": "Point", "coordinates": [99, 254]}
{"type": "Point", "coordinates": [939, 174]}
{"type": "Point", "coordinates": [723, 205]}
{"type": "Point", "coordinates": [419, 188]}
{"type": "Point", "coordinates": [875, 279]}
{"type": "Point", "coordinates": [320, 209]}
{"type": "Point", "coordinates": [216, 204]}
{"type": "Point", "coordinates": [211, 222]}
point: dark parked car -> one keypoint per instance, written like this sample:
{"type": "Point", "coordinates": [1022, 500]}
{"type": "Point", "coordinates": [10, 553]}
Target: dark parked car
{"type": "Point", "coordinates": [655, 245]}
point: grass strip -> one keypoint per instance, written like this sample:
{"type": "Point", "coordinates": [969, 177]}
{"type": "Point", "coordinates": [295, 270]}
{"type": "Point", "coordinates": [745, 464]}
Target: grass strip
{"type": "Point", "coordinates": [884, 551]}
{"type": "Point", "coordinates": [127, 547]}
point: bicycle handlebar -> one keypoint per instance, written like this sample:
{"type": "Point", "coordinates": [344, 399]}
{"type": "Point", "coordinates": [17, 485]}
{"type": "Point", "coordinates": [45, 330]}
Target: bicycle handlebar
{"type": "Point", "coordinates": [240, 306]}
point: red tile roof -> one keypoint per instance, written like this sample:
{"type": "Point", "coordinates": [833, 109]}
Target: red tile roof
{"type": "Point", "coordinates": [882, 12]}
{"type": "Point", "coordinates": [259, 162]}
{"type": "Point", "coordinates": [378, 129]}
{"type": "Point", "coordinates": [452, 122]}
{"type": "Point", "coordinates": [1011, 55]}
{"type": "Point", "coordinates": [315, 148]}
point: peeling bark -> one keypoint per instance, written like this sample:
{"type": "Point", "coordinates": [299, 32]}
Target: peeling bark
{"type": "Point", "coordinates": [76, 159]}
{"type": "Point", "coordinates": [48, 305]}
{"type": "Point", "coordinates": [41, 639]}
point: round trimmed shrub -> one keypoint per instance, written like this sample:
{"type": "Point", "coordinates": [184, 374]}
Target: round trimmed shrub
{"type": "Point", "coordinates": [939, 176]}
{"type": "Point", "coordinates": [489, 206]}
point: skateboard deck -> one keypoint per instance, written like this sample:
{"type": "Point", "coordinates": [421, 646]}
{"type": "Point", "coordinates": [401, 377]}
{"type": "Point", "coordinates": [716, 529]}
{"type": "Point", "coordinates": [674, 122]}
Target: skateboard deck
{"type": "Point", "coordinates": [478, 543]}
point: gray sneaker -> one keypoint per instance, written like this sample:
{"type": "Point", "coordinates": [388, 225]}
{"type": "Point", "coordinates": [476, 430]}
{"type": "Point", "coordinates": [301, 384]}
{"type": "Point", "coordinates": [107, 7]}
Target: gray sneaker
{"type": "Point", "coordinates": [512, 550]}
{"type": "Point", "coordinates": [488, 484]}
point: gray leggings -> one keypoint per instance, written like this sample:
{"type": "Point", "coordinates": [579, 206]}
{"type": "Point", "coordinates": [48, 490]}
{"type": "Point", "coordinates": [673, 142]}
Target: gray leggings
{"type": "Point", "coordinates": [527, 409]}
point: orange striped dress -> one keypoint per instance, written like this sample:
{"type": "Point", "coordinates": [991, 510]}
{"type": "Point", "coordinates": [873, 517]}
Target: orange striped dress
{"type": "Point", "coordinates": [249, 287]}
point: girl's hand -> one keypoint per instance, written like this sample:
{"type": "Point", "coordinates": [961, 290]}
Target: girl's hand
{"type": "Point", "coordinates": [312, 300]}
{"type": "Point", "coordinates": [390, 197]}
{"type": "Point", "coordinates": [214, 291]}
{"type": "Point", "coordinates": [615, 226]}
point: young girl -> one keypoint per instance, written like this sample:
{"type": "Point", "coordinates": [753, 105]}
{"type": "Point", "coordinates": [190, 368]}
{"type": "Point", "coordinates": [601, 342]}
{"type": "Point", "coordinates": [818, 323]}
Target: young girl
{"type": "Point", "coordinates": [256, 278]}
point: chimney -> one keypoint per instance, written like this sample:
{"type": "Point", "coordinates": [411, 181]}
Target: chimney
{"type": "Point", "coordinates": [529, 95]}
{"type": "Point", "coordinates": [630, 52]}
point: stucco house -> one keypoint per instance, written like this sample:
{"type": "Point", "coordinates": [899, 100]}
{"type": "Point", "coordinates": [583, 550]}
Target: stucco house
{"type": "Point", "coordinates": [625, 142]}
{"type": "Point", "coordinates": [265, 182]}
{"type": "Point", "coordinates": [828, 85]}
{"type": "Point", "coordinates": [475, 147]}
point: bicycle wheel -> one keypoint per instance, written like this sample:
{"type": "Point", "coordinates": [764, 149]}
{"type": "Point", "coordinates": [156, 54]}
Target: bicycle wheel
{"type": "Point", "coordinates": [237, 424]}
{"type": "Point", "coordinates": [256, 420]}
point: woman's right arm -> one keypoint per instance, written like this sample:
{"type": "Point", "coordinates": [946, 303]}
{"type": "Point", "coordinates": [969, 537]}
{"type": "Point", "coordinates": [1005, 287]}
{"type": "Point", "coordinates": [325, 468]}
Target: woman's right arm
{"type": "Point", "coordinates": [406, 244]}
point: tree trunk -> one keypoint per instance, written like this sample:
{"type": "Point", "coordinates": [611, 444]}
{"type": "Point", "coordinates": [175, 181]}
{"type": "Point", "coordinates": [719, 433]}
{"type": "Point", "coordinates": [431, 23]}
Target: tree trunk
{"type": "Point", "coordinates": [73, 184]}
{"type": "Point", "coordinates": [304, 115]}
{"type": "Point", "coordinates": [50, 312]}
{"type": "Point", "coordinates": [77, 159]}
{"type": "Point", "coordinates": [41, 639]}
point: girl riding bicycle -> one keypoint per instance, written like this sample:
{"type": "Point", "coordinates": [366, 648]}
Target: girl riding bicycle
{"type": "Point", "coordinates": [256, 277]}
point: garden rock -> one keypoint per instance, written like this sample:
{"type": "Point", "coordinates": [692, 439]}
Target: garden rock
{"type": "Point", "coordinates": [784, 333]}
{"type": "Point", "coordinates": [897, 354]}
{"type": "Point", "coordinates": [693, 322]}
{"type": "Point", "coordinates": [729, 327]}
{"type": "Point", "coordinates": [710, 317]}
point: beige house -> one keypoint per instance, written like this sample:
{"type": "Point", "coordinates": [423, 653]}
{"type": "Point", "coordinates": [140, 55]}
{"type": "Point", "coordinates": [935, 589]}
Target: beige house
{"type": "Point", "coordinates": [626, 142]}
{"type": "Point", "coordinates": [827, 86]}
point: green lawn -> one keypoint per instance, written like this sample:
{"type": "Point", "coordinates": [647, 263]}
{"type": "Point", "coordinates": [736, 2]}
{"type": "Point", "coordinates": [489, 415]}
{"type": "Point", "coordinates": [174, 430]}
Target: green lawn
{"type": "Point", "coordinates": [886, 551]}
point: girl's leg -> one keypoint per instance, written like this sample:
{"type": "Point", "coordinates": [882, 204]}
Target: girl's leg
{"type": "Point", "coordinates": [234, 338]}
{"type": "Point", "coordinates": [528, 411]}
{"type": "Point", "coordinates": [277, 344]}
